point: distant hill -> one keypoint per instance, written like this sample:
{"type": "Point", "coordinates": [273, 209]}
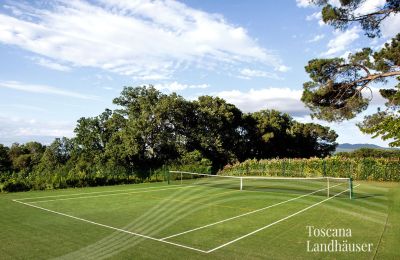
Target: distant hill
{"type": "Point", "coordinates": [346, 147]}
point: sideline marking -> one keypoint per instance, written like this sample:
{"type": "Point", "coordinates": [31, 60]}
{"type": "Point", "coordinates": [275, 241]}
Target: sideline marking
{"type": "Point", "coordinates": [110, 227]}
{"type": "Point", "coordinates": [105, 195]}
{"type": "Point", "coordinates": [184, 246]}
{"type": "Point", "coordinates": [245, 214]}
{"type": "Point", "coordinates": [276, 222]}
{"type": "Point", "coordinates": [88, 193]}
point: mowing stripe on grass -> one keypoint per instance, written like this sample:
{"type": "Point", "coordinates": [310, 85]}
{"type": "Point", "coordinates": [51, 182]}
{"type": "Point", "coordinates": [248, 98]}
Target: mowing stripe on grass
{"type": "Point", "coordinates": [96, 192]}
{"type": "Point", "coordinates": [276, 222]}
{"type": "Point", "coordinates": [110, 227]}
{"type": "Point", "coordinates": [245, 214]}
{"type": "Point", "coordinates": [105, 195]}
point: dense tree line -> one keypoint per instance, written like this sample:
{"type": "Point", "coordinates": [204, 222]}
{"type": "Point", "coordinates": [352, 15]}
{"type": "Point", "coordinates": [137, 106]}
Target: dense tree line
{"type": "Point", "coordinates": [151, 129]}
{"type": "Point", "coordinates": [371, 153]}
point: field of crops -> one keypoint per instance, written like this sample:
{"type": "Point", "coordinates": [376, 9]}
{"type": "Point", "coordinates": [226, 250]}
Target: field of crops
{"type": "Point", "coordinates": [378, 169]}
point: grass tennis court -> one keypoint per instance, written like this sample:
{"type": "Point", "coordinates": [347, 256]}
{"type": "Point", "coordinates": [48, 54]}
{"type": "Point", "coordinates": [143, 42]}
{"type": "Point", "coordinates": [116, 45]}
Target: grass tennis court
{"type": "Point", "coordinates": [181, 221]}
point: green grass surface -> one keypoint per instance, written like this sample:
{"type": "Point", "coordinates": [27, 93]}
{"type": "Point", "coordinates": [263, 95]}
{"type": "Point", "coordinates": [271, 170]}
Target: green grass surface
{"type": "Point", "coordinates": [159, 210]}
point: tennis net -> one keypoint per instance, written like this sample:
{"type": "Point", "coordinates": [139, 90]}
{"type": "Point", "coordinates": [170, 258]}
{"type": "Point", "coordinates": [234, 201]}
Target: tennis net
{"type": "Point", "coordinates": [323, 186]}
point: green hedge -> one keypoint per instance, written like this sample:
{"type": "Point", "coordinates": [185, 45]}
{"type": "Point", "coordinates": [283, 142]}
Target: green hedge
{"type": "Point", "coordinates": [379, 169]}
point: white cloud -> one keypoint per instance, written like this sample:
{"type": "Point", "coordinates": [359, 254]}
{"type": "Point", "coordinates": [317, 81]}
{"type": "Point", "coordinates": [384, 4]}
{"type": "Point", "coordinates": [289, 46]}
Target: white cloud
{"type": "Point", "coordinates": [283, 68]}
{"type": "Point", "coordinates": [303, 3]}
{"type": "Point", "coordinates": [43, 89]}
{"type": "Point", "coordinates": [103, 77]}
{"type": "Point", "coordinates": [143, 39]}
{"type": "Point", "coordinates": [15, 129]}
{"type": "Point", "coordinates": [176, 86]}
{"type": "Point", "coordinates": [249, 73]}
{"type": "Point", "coordinates": [390, 26]}
{"type": "Point", "coordinates": [342, 41]}
{"type": "Point", "coordinates": [316, 16]}
{"type": "Point", "coordinates": [282, 99]}
{"type": "Point", "coordinates": [369, 6]}
{"type": "Point", "coordinates": [317, 38]}
{"type": "Point", "coordinates": [50, 64]}
{"type": "Point", "coordinates": [376, 98]}
{"type": "Point", "coordinates": [23, 107]}
{"type": "Point", "coordinates": [308, 3]}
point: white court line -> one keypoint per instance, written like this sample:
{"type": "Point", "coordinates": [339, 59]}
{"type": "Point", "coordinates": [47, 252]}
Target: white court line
{"type": "Point", "coordinates": [168, 242]}
{"type": "Point", "coordinates": [110, 227]}
{"type": "Point", "coordinates": [105, 195]}
{"type": "Point", "coordinates": [276, 222]}
{"type": "Point", "coordinates": [88, 193]}
{"type": "Point", "coordinates": [245, 214]}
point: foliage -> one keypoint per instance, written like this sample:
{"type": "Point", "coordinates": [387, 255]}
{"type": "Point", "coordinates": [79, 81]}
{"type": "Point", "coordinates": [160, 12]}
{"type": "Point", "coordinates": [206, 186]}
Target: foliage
{"type": "Point", "coordinates": [151, 131]}
{"type": "Point", "coordinates": [5, 161]}
{"type": "Point", "coordinates": [340, 16]}
{"type": "Point", "coordinates": [378, 169]}
{"type": "Point", "coordinates": [338, 89]}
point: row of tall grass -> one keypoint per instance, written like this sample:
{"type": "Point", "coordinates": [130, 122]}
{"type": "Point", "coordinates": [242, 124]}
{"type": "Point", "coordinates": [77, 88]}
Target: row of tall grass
{"type": "Point", "coordinates": [378, 169]}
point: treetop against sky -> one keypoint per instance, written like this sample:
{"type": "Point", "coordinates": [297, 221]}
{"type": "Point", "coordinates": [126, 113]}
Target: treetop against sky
{"type": "Point", "coordinates": [62, 60]}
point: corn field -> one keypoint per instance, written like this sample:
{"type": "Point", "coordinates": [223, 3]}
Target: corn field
{"type": "Point", "coordinates": [378, 169]}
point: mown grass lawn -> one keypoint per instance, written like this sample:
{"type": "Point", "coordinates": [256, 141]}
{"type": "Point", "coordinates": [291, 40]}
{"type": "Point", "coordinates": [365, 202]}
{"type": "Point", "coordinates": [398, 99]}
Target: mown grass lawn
{"type": "Point", "coordinates": [131, 221]}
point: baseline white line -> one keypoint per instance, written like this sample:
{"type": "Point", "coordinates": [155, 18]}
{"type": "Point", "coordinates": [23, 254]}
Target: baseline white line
{"type": "Point", "coordinates": [245, 214]}
{"type": "Point", "coordinates": [96, 192]}
{"type": "Point", "coordinates": [276, 222]}
{"type": "Point", "coordinates": [110, 227]}
{"type": "Point", "coordinates": [105, 195]}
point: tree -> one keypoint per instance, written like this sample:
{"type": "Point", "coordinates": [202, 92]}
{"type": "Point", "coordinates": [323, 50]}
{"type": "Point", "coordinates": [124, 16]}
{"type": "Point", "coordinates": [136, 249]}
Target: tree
{"type": "Point", "coordinates": [340, 16]}
{"type": "Point", "coordinates": [217, 131]}
{"type": "Point", "coordinates": [312, 140]}
{"type": "Point", "coordinates": [277, 135]}
{"type": "Point", "coordinates": [26, 156]}
{"type": "Point", "coordinates": [338, 89]}
{"type": "Point", "coordinates": [5, 162]}
{"type": "Point", "coordinates": [57, 153]}
{"type": "Point", "coordinates": [154, 126]}
{"type": "Point", "coordinates": [272, 137]}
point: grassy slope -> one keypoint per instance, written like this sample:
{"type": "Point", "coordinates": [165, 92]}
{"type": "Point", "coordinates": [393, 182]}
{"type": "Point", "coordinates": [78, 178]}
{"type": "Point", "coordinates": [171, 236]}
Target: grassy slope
{"type": "Point", "coordinates": [374, 216]}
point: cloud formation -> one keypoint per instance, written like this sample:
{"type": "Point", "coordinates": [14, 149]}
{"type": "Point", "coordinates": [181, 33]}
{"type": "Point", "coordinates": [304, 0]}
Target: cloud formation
{"type": "Point", "coordinates": [283, 99]}
{"type": "Point", "coordinates": [14, 129]}
{"type": "Point", "coordinates": [143, 39]}
{"type": "Point", "coordinates": [249, 73]}
{"type": "Point", "coordinates": [50, 64]}
{"type": "Point", "coordinates": [43, 89]}
{"type": "Point", "coordinates": [316, 16]}
{"type": "Point", "coordinates": [317, 38]}
{"type": "Point", "coordinates": [176, 86]}
{"type": "Point", "coordinates": [303, 3]}
{"type": "Point", "coordinates": [342, 41]}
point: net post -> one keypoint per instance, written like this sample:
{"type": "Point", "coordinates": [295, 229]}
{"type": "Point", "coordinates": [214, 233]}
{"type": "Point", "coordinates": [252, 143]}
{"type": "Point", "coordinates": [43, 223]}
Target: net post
{"type": "Point", "coordinates": [241, 183]}
{"type": "Point", "coordinates": [351, 187]}
{"type": "Point", "coordinates": [181, 177]}
{"type": "Point", "coordinates": [168, 177]}
{"type": "Point", "coordinates": [327, 180]}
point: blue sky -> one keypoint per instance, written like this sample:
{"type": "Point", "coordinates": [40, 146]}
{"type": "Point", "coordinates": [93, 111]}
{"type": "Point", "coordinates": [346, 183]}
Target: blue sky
{"type": "Point", "coordinates": [62, 60]}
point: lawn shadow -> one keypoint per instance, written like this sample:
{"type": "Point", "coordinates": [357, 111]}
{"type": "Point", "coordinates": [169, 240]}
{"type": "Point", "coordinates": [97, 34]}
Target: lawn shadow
{"type": "Point", "coordinates": [366, 196]}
